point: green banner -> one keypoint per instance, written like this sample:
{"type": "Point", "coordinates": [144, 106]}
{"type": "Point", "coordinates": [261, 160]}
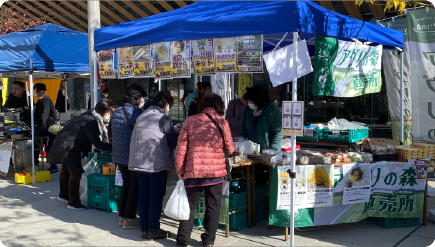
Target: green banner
{"type": "Point", "coordinates": [346, 69]}
{"type": "Point", "coordinates": [395, 193]}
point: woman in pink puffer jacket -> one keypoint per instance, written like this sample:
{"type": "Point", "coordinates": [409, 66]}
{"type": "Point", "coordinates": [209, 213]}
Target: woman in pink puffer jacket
{"type": "Point", "coordinates": [200, 162]}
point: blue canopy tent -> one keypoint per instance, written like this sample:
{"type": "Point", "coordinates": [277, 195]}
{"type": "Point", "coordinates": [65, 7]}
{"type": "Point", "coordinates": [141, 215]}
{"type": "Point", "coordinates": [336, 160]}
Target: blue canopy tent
{"type": "Point", "coordinates": [273, 19]}
{"type": "Point", "coordinates": [47, 51]}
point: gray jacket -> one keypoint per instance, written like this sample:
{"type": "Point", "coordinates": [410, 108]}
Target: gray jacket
{"type": "Point", "coordinates": [153, 141]}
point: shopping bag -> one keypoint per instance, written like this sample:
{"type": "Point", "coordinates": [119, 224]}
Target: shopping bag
{"type": "Point", "coordinates": [178, 205]}
{"type": "Point", "coordinates": [118, 177]}
{"type": "Point", "coordinates": [90, 168]}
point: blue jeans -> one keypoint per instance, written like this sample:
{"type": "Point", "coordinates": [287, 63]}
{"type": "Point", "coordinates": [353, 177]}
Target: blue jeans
{"type": "Point", "coordinates": [152, 189]}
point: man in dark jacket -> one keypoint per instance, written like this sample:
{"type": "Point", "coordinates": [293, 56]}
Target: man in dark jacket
{"type": "Point", "coordinates": [77, 136]}
{"type": "Point", "coordinates": [17, 101]}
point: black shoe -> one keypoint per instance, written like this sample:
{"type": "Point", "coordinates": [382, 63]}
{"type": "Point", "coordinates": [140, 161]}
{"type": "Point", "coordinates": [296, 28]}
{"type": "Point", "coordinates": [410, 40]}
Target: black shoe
{"type": "Point", "coordinates": [160, 234]}
{"type": "Point", "coordinates": [53, 171]}
{"type": "Point", "coordinates": [78, 207]}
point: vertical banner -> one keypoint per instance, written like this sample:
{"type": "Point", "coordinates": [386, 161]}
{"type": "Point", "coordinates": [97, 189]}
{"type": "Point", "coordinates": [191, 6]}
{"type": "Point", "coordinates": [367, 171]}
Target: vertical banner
{"type": "Point", "coordinates": [226, 54]}
{"type": "Point", "coordinates": [106, 63]}
{"type": "Point", "coordinates": [125, 62]}
{"type": "Point", "coordinates": [391, 66]}
{"type": "Point", "coordinates": [162, 60]}
{"type": "Point", "coordinates": [320, 186]}
{"type": "Point", "coordinates": [250, 53]}
{"type": "Point", "coordinates": [346, 69]}
{"type": "Point", "coordinates": [244, 82]}
{"type": "Point", "coordinates": [203, 57]}
{"type": "Point", "coordinates": [421, 42]}
{"type": "Point", "coordinates": [357, 179]}
{"type": "Point", "coordinates": [142, 61]}
{"type": "Point", "coordinates": [180, 58]}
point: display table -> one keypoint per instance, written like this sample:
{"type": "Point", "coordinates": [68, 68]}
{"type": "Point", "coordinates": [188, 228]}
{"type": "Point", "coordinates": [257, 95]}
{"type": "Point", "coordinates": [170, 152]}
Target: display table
{"type": "Point", "coordinates": [357, 145]}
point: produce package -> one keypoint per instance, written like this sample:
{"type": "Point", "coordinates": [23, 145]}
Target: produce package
{"type": "Point", "coordinates": [360, 157]}
{"type": "Point", "coordinates": [408, 152]}
{"type": "Point", "coordinates": [273, 157]}
{"type": "Point", "coordinates": [428, 149]}
{"type": "Point", "coordinates": [306, 157]}
{"type": "Point", "coordinates": [338, 157]}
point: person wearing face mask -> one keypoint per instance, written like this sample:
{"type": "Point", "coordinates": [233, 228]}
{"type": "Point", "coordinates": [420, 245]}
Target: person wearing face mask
{"type": "Point", "coordinates": [18, 101]}
{"type": "Point", "coordinates": [122, 125]}
{"type": "Point", "coordinates": [203, 88]}
{"type": "Point", "coordinates": [151, 157]}
{"type": "Point", "coordinates": [77, 136]}
{"type": "Point", "coordinates": [262, 121]}
{"type": "Point", "coordinates": [45, 116]}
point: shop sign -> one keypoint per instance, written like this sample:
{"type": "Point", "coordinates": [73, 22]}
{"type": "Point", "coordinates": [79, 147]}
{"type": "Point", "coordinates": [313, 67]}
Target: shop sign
{"type": "Point", "coordinates": [180, 58]}
{"type": "Point", "coordinates": [125, 62]}
{"type": "Point", "coordinates": [142, 61]}
{"type": "Point", "coordinates": [203, 57]}
{"type": "Point", "coordinates": [106, 63]}
{"type": "Point", "coordinates": [162, 60]}
{"type": "Point", "coordinates": [226, 54]}
{"type": "Point", "coordinates": [250, 53]}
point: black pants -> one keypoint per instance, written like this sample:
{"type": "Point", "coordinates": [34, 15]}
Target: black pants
{"type": "Point", "coordinates": [213, 196]}
{"type": "Point", "coordinates": [130, 193]}
{"type": "Point", "coordinates": [70, 186]}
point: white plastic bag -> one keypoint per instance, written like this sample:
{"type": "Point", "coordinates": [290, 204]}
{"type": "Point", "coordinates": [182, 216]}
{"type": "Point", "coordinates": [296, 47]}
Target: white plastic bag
{"type": "Point", "coordinates": [90, 168]}
{"type": "Point", "coordinates": [178, 205]}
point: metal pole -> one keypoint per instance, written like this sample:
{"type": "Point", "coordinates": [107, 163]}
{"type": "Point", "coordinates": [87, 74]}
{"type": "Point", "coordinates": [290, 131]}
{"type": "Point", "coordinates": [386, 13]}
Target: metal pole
{"type": "Point", "coordinates": [293, 138]}
{"type": "Point", "coordinates": [93, 23]}
{"type": "Point", "coordinates": [96, 95]}
{"type": "Point", "coordinates": [33, 125]}
{"type": "Point", "coordinates": [233, 92]}
{"type": "Point", "coordinates": [66, 97]}
{"type": "Point", "coordinates": [401, 98]}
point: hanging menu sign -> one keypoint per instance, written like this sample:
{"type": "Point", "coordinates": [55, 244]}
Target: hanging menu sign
{"type": "Point", "coordinates": [320, 191]}
{"type": "Point", "coordinates": [125, 62]}
{"type": "Point", "coordinates": [250, 53]}
{"type": "Point", "coordinates": [162, 60]}
{"type": "Point", "coordinates": [292, 118]}
{"type": "Point", "coordinates": [180, 58]}
{"type": "Point", "coordinates": [226, 54]}
{"type": "Point", "coordinates": [142, 61]}
{"type": "Point", "coordinates": [203, 57]}
{"type": "Point", "coordinates": [357, 187]}
{"type": "Point", "coordinates": [106, 63]}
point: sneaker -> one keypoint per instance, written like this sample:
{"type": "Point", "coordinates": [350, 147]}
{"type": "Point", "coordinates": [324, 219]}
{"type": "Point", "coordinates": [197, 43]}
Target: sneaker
{"type": "Point", "coordinates": [131, 223]}
{"type": "Point", "coordinates": [121, 221]}
{"type": "Point", "coordinates": [144, 235]}
{"type": "Point", "coordinates": [53, 171]}
{"type": "Point", "coordinates": [79, 207]}
{"type": "Point", "coordinates": [160, 234]}
{"type": "Point", "coordinates": [62, 200]}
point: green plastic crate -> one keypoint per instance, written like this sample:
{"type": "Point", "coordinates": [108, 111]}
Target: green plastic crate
{"type": "Point", "coordinates": [117, 191]}
{"type": "Point", "coordinates": [390, 223]}
{"type": "Point", "coordinates": [238, 201]}
{"type": "Point", "coordinates": [317, 135]}
{"type": "Point", "coordinates": [239, 220]}
{"type": "Point", "coordinates": [101, 184]}
{"type": "Point", "coordinates": [238, 186]}
{"type": "Point", "coordinates": [102, 202]}
{"type": "Point", "coordinates": [261, 193]}
{"type": "Point", "coordinates": [344, 136]}
{"type": "Point", "coordinates": [363, 133]}
{"type": "Point", "coordinates": [103, 158]}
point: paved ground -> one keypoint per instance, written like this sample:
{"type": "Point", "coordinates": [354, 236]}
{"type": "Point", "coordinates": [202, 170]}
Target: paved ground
{"type": "Point", "coordinates": [32, 216]}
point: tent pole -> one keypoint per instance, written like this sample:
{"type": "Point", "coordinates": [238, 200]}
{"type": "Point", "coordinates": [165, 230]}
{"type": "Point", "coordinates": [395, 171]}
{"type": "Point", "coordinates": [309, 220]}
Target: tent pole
{"type": "Point", "coordinates": [33, 125]}
{"type": "Point", "coordinates": [66, 97]}
{"type": "Point", "coordinates": [233, 92]}
{"type": "Point", "coordinates": [401, 98]}
{"type": "Point", "coordinates": [95, 83]}
{"type": "Point", "coordinates": [293, 139]}
{"type": "Point", "coordinates": [93, 23]}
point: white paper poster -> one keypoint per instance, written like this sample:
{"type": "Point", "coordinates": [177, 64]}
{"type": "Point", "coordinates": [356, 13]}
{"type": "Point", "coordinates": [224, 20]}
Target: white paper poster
{"type": "Point", "coordinates": [357, 187]}
{"type": "Point", "coordinates": [284, 188]}
{"type": "Point", "coordinates": [5, 155]}
{"type": "Point", "coordinates": [280, 63]}
{"type": "Point", "coordinates": [320, 179]}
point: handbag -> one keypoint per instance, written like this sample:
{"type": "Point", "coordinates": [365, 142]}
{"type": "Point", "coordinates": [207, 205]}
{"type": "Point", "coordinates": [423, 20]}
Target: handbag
{"type": "Point", "coordinates": [126, 118]}
{"type": "Point", "coordinates": [227, 161]}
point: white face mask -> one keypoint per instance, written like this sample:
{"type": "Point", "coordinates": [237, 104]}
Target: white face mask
{"type": "Point", "coordinates": [253, 106]}
{"type": "Point", "coordinates": [106, 119]}
{"type": "Point", "coordinates": [141, 105]}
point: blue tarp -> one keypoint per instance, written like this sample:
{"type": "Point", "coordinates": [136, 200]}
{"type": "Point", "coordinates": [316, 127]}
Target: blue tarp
{"type": "Point", "coordinates": [217, 19]}
{"type": "Point", "coordinates": [45, 48]}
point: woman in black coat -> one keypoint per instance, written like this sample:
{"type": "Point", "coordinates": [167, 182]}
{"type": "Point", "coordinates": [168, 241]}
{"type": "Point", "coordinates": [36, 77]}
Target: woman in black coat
{"type": "Point", "coordinates": [77, 136]}
{"type": "Point", "coordinates": [45, 116]}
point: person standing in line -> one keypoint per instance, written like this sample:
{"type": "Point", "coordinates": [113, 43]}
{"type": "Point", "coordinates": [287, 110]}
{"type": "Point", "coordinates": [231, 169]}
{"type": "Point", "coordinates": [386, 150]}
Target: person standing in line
{"type": "Point", "coordinates": [151, 157]}
{"type": "Point", "coordinates": [77, 136]}
{"type": "Point", "coordinates": [122, 124]}
{"type": "Point", "coordinates": [45, 116]}
{"type": "Point", "coordinates": [234, 114]}
{"type": "Point", "coordinates": [203, 88]}
{"type": "Point", "coordinates": [262, 121]}
{"type": "Point", "coordinates": [200, 162]}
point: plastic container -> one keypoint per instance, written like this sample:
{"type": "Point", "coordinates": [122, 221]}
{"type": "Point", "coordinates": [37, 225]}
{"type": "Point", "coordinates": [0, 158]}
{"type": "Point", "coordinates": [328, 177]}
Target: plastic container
{"type": "Point", "coordinates": [27, 178]}
{"type": "Point", "coordinates": [101, 184]}
{"type": "Point", "coordinates": [102, 202]}
{"type": "Point", "coordinates": [261, 193]}
{"type": "Point", "coordinates": [345, 136]}
{"type": "Point", "coordinates": [390, 223]}
{"type": "Point", "coordinates": [238, 201]}
{"type": "Point", "coordinates": [238, 186]}
{"type": "Point", "coordinates": [317, 135]}
{"type": "Point", "coordinates": [109, 169]}
{"type": "Point", "coordinates": [239, 220]}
